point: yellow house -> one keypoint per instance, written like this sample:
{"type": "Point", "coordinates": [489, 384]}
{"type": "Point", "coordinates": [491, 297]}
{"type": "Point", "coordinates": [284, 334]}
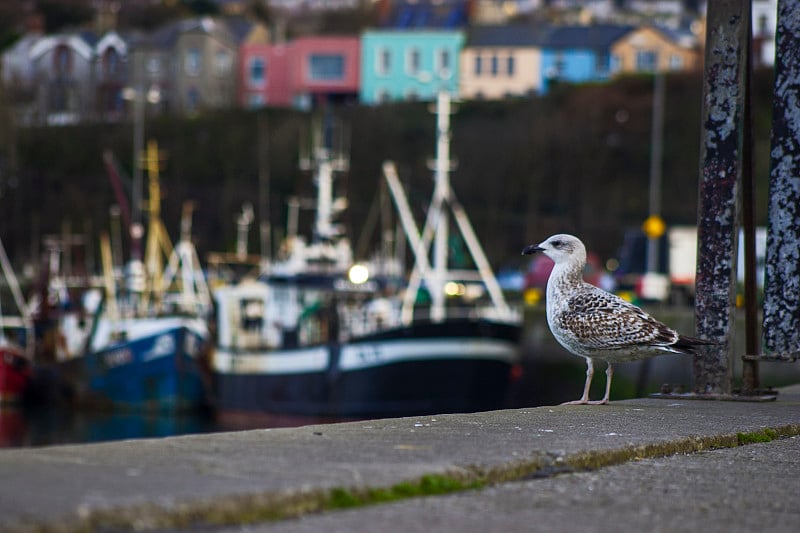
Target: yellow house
{"type": "Point", "coordinates": [648, 49]}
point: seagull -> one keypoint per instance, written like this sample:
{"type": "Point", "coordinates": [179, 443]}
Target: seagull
{"type": "Point", "coordinates": [597, 325]}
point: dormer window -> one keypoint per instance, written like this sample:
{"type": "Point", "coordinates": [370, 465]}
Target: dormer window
{"type": "Point", "coordinates": [111, 63]}
{"type": "Point", "coordinates": [62, 60]}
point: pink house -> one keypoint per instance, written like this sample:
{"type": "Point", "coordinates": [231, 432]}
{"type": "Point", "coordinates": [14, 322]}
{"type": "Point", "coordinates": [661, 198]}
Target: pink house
{"type": "Point", "coordinates": [300, 73]}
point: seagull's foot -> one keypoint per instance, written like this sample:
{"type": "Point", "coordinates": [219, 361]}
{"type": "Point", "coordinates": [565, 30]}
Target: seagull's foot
{"type": "Point", "coordinates": [604, 401]}
{"type": "Point", "coordinates": [582, 401]}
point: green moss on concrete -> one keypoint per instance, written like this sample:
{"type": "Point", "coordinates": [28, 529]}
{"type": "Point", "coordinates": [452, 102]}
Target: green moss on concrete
{"type": "Point", "coordinates": [765, 435]}
{"type": "Point", "coordinates": [428, 485]}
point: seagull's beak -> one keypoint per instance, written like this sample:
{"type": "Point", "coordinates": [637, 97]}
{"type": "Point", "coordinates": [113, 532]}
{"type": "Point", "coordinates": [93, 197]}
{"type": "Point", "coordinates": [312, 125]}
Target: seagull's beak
{"type": "Point", "coordinates": [532, 249]}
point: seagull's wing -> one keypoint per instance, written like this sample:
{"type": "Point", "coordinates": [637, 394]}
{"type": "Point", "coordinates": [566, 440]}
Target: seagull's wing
{"type": "Point", "coordinates": [601, 320]}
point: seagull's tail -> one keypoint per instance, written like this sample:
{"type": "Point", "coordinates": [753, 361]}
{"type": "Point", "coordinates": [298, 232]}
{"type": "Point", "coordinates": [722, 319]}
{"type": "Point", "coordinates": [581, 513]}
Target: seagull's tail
{"type": "Point", "coordinates": [689, 345]}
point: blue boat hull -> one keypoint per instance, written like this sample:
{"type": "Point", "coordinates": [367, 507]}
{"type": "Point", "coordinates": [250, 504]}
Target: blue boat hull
{"type": "Point", "coordinates": [158, 372]}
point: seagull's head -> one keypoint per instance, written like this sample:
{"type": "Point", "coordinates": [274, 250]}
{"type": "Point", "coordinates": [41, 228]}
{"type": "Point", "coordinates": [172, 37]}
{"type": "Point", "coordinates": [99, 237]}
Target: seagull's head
{"type": "Point", "coordinates": [561, 248]}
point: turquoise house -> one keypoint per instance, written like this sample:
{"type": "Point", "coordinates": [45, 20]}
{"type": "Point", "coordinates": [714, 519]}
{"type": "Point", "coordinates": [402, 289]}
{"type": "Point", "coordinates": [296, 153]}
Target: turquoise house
{"type": "Point", "coordinates": [409, 64]}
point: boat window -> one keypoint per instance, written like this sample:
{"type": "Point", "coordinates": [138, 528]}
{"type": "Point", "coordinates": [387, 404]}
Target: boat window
{"type": "Point", "coordinates": [252, 313]}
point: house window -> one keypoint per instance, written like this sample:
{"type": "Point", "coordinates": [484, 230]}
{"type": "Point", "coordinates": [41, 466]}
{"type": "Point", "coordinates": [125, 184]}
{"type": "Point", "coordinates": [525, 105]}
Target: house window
{"type": "Point", "coordinates": [191, 62]}
{"type": "Point", "coordinates": [192, 100]}
{"type": "Point", "coordinates": [62, 60]}
{"type": "Point", "coordinates": [413, 60]}
{"type": "Point", "coordinates": [646, 60]}
{"type": "Point", "coordinates": [383, 61]}
{"type": "Point", "coordinates": [443, 67]}
{"type": "Point", "coordinates": [256, 72]}
{"type": "Point", "coordinates": [63, 98]}
{"type": "Point", "coordinates": [153, 64]}
{"type": "Point", "coordinates": [615, 64]}
{"type": "Point", "coordinates": [495, 65]}
{"type": "Point", "coordinates": [603, 63]}
{"type": "Point", "coordinates": [510, 65]}
{"type": "Point", "coordinates": [111, 62]}
{"type": "Point", "coordinates": [478, 65]}
{"type": "Point", "coordinates": [222, 63]}
{"type": "Point", "coordinates": [558, 69]}
{"type": "Point", "coordinates": [255, 100]}
{"type": "Point", "coordinates": [675, 62]}
{"type": "Point", "coordinates": [762, 25]}
{"type": "Point", "coordinates": [326, 67]}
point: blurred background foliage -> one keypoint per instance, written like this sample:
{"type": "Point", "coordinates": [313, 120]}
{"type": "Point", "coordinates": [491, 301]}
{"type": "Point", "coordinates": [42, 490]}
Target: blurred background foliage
{"type": "Point", "coordinates": [575, 161]}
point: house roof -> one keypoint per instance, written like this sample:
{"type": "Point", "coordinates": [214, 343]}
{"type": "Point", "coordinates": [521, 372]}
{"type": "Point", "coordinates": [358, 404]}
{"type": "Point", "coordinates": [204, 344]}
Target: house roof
{"type": "Point", "coordinates": [515, 35]}
{"type": "Point", "coordinates": [167, 35]}
{"type": "Point", "coordinates": [240, 27]}
{"type": "Point", "coordinates": [597, 36]}
{"type": "Point", "coordinates": [426, 14]}
{"type": "Point", "coordinates": [82, 42]}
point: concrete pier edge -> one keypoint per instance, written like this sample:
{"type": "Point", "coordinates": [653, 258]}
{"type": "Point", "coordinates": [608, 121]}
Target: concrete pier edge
{"type": "Point", "coordinates": [271, 506]}
{"type": "Point", "coordinates": [248, 507]}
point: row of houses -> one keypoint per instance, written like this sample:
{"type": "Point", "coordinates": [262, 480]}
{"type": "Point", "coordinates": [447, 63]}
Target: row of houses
{"type": "Point", "coordinates": [216, 63]}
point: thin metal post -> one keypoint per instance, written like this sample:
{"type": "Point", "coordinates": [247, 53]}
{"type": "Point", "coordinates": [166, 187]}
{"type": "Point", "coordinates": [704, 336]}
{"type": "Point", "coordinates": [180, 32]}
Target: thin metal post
{"type": "Point", "coordinates": [656, 151]}
{"type": "Point", "coordinates": [139, 104]}
{"type": "Point", "coordinates": [724, 92]}
{"type": "Point", "coordinates": [781, 324]}
{"type": "Point", "coordinates": [750, 378]}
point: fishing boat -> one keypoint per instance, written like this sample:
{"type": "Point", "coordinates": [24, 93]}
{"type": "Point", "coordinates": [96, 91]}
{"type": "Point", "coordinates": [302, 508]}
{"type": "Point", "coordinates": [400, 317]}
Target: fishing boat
{"type": "Point", "coordinates": [15, 339]}
{"type": "Point", "coordinates": [145, 341]}
{"type": "Point", "coordinates": [15, 372]}
{"type": "Point", "coordinates": [320, 334]}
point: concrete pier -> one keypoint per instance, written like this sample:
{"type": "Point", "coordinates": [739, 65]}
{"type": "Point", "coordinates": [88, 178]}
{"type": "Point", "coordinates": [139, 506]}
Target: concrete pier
{"type": "Point", "coordinates": [637, 464]}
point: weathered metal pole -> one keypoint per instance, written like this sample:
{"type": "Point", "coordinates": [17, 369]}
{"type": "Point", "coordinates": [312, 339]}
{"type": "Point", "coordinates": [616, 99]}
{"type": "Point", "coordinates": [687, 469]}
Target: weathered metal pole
{"type": "Point", "coordinates": [750, 377]}
{"type": "Point", "coordinates": [781, 324]}
{"type": "Point", "coordinates": [724, 90]}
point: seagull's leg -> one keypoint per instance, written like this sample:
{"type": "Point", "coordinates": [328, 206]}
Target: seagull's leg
{"type": "Point", "coordinates": [589, 373]}
{"type": "Point", "coordinates": [609, 374]}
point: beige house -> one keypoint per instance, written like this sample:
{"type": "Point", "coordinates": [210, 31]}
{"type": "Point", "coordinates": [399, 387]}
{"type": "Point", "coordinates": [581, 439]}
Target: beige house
{"type": "Point", "coordinates": [501, 61]}
{"type": "Point", "coordinates": [648, 49]}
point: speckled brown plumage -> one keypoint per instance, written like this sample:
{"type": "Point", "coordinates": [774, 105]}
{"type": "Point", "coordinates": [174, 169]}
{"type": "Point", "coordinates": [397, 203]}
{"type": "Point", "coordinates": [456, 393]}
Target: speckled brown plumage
{"type": "Point", "coordinates": [595, 324]}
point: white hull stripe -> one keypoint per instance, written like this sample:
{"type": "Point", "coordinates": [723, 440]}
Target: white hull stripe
{"type": "Point", "coordinates": [366, 355]}
{"type": "Point", "coordinates": [272, 361]}
{"type": "Point", "coordinates": [363, 355]}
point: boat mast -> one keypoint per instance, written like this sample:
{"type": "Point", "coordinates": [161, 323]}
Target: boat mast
{"type": "Point", "coordinates": [185, 270]}
{"type": "Point", "coordinates": [441, 193]}
{"type": "Point", "coordinates": [324, 157]}
{"type": "Point", "coordinates": [436, 273]}
{"type": "Point", "coordinates": [158, 241]}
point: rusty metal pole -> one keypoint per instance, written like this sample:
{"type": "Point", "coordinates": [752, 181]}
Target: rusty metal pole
{"type": "Point", "coordinates": [781, 324]}
{"type": "Point", "coordinates": [750, 377]}
{"type": "Point", "coordinates": [724, 91]}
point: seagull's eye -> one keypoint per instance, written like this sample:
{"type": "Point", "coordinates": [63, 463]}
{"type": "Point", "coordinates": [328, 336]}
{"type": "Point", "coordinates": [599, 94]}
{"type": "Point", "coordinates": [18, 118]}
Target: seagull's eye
{"type": "Point", "coordinates": [557, 244]}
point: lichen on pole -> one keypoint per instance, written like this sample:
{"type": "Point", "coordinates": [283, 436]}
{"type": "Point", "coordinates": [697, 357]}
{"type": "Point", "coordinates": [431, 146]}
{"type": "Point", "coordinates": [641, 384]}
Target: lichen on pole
{"type": "Point", "coordinates": [781, 324]}
{"type": "Point", "coordinates": [724, 92]}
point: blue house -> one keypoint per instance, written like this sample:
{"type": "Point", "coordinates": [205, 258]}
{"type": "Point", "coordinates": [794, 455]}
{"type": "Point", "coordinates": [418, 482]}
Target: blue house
{"type": "Point", "coordinates": [577, 54]}
{"type": "Point", "coordinates": [401, 65]}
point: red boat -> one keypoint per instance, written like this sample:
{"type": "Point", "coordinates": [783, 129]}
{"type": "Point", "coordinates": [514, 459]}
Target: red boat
{"type": "Point", "coordinates": [15, 373]}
